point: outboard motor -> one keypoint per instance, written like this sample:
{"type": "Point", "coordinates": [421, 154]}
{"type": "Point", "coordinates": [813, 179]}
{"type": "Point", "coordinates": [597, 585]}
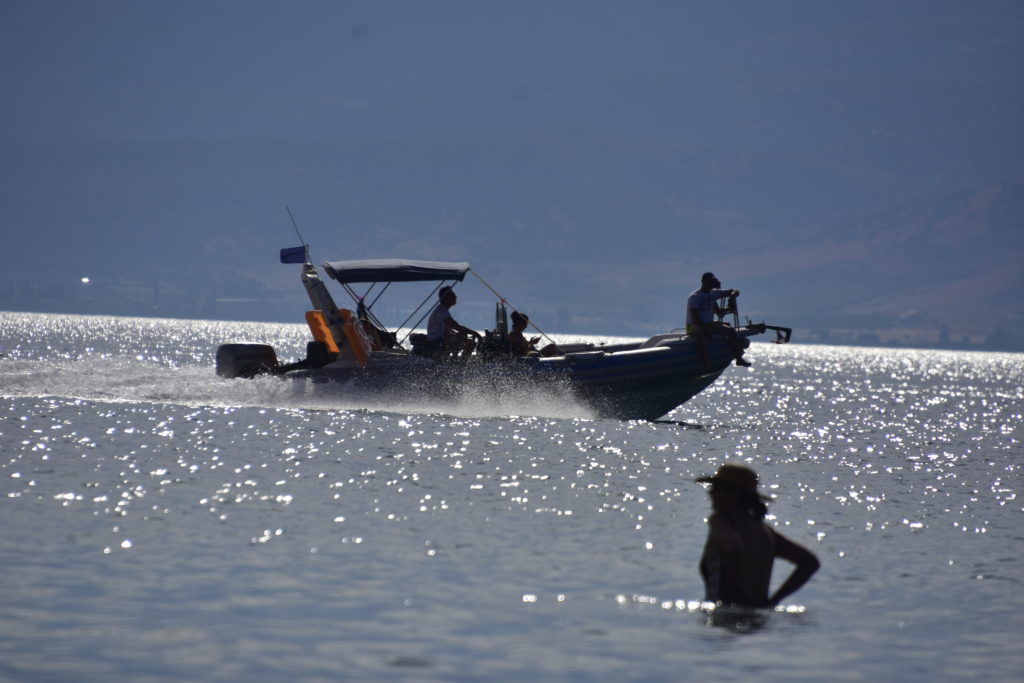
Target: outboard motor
{"type": "Point", "coordinates": [495, 342]}
{"type": "Point", "coordinates": [245, 359]}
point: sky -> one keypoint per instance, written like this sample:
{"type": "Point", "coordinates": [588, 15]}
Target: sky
{"type": "Point", "coordinates": [103, 69]}
{"type": "Point", "coordinates": [859, 145]}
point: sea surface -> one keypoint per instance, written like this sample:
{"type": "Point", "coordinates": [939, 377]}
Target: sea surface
{"type": "Point", "coordinates": [160, 523]}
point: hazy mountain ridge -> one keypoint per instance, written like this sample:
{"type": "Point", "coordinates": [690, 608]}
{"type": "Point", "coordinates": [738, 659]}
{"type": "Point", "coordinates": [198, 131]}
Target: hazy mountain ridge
{"type": "Point", "coordinates": [591, 254]}
{"type": "Point", "coordinates": [594, 201]}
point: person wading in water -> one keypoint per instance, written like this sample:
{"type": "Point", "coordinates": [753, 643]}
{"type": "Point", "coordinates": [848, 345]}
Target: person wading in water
{"type": "Point", "coordinates": [741, 548]}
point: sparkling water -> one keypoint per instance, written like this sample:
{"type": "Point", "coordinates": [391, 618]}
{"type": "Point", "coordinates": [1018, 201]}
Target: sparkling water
{"type": "Point", "coordinates": [161, 523]}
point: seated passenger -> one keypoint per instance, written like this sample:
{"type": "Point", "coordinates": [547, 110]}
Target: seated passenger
{"type": "Point", "coordinates": [520, 346]}
{"type": "Point", "coordinates": [447, 337]}
{"type": "Point", "coordinates": [701, 307]}
{"type": "Point", "coordinates": [378, 336]}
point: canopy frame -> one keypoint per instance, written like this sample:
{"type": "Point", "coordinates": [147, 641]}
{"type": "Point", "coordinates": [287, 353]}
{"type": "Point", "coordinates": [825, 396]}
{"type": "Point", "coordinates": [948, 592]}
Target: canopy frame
{"type": "Point", "coordinates": [395, 270]}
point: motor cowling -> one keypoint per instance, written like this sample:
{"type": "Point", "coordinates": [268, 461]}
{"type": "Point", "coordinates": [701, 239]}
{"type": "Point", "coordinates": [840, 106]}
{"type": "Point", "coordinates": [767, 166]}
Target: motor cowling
{"type": "Point", "coordinates": [245, 359]}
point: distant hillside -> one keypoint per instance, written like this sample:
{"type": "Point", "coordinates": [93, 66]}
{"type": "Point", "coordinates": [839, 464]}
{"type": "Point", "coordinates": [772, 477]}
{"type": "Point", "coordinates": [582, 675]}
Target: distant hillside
{"type": "Point", "coordinates": [813, 205]}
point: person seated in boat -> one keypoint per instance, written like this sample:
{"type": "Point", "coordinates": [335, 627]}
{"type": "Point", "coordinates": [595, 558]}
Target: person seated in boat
{"type": "Point", "coordinates": [701, 307]}
{"type": "Point", "coordinates": [446, 336]}
{"type": "Point", "coordinates": [378, 336]}
{"type": "Point", "coordinates": [736, 564]}
{"type": "Point", "coordinates": [519, 345]}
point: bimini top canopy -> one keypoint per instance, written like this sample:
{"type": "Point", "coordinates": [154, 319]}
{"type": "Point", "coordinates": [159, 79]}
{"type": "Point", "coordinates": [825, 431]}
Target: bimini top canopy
{"type": "Point", "coordinates": [394, 270]}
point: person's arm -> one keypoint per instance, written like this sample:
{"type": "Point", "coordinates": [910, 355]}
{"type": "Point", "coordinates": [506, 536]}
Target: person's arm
{"type": "Point", "coordinates": [720, 294]}
{"type": "Point", "coordinates": [806, 564]}
{"type": "Point", "coordinates": [461, 329]}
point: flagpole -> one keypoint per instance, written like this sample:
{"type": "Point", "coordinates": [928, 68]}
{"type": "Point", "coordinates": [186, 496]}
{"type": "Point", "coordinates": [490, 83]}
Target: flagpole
{"type": "Point", "coordinates": [296, 226]}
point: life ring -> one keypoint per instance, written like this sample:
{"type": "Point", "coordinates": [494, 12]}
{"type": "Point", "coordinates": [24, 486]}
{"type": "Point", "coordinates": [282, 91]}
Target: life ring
{"type": "Point", "coordinates": [356, 337]}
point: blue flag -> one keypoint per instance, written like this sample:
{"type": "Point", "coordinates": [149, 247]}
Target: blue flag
{"type": "Point", "coordinates": [293, 255]}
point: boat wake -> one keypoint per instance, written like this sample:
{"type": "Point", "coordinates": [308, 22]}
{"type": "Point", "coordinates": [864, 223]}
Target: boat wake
{"type": "Point", "coordinates": [130, 379]}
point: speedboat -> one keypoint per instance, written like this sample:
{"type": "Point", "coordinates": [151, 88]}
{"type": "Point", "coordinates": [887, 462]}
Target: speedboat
{"type": "Point", "coordinates": [351, 347]}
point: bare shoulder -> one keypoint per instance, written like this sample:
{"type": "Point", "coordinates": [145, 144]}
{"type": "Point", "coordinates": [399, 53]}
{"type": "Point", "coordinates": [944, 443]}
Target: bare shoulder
{"type": "Point", "coordinates": [722, 533]}
{"type": "Point", "coordinates": [719, 519]}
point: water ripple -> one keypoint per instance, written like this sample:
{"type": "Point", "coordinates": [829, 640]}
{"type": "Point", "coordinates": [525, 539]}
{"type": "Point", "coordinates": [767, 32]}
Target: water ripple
{"type": "Point", "coordinates": [143, 497]}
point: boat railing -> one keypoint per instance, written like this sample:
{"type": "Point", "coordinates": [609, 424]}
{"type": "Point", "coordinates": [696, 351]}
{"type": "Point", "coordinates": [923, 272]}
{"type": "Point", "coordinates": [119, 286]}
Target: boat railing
{"type": "Point", "coordinates": [731, 308]}
{"type": "Point", "coordinates": [658, 339]}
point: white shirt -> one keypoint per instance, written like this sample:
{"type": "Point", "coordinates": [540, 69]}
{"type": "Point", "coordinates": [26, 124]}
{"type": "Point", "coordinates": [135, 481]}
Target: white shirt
{"type": "Point", "coordinates": [435, 325]}
{"type": "Point", "coordinates": [704, 302]}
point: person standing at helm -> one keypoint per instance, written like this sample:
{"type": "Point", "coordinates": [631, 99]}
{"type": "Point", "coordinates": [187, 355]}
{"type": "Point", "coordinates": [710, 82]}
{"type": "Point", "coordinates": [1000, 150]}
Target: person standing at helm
{"type": "Point", "coordinates": [701, 307]}
{"type": "Point", "coordinates": [447, 336]}
{"type": "Point", "coordinates": [740, 550]}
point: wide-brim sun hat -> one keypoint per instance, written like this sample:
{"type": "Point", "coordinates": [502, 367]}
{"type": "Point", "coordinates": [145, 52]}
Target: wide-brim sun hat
{"type": "Point", "coordinates": [739, 477]}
